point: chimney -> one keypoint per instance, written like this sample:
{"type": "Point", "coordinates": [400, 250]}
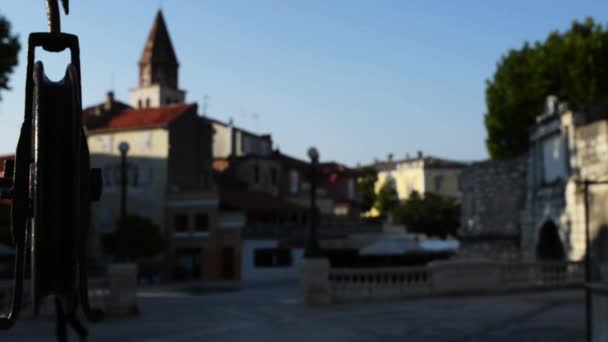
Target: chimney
{"type": "Point", "coordinates": [420, 155]}
{"type": "Point", "coordinates": [390, 157]}
{"type": "Point", "coordinates": [109, 100]}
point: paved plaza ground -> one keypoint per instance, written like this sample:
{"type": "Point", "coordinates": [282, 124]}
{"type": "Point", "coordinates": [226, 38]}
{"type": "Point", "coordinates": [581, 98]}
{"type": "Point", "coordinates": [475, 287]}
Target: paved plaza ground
{"type": "Point", "coordinates": [275, 314]}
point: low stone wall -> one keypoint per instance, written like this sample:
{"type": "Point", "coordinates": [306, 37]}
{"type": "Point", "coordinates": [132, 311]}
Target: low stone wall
{"type": "Point", "coordinates": [451, 278]}
{"type": "Point", "coordinates": [495, 247]}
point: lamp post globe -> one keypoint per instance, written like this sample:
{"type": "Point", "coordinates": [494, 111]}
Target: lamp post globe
{"type": "Point", "coordinates": [123, 147]}
{"type": "Point", "coordinates": [313, 153]}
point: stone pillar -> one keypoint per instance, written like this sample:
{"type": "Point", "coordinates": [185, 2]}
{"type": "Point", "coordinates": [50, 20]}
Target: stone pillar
{"type": "Point", "coordinates": [122, 300]}
{"type": "Point", "coordinates": [315, 281]}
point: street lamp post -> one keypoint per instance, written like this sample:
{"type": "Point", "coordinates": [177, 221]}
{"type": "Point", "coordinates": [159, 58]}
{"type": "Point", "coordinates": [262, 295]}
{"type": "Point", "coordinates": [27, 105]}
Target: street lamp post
{"type": "Point", "coordinates": [313, 250]}
{"type": "Point", "coordinates": [123, 148]}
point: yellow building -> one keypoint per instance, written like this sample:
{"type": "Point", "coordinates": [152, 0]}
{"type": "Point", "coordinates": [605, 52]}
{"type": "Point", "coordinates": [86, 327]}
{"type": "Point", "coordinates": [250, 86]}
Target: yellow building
{"type": "Point", "coordinates": [423, 174]}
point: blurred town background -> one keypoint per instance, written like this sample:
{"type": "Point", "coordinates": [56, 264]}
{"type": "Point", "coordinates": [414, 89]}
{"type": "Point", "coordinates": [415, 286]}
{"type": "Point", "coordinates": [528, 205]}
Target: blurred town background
{"type": "Point", "coordinates": [213, 214]}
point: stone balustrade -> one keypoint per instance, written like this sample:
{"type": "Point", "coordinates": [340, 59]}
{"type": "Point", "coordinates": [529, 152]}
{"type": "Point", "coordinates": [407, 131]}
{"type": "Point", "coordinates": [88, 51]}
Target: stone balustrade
{"type": "Point", "coordinates": [347, 284]}
{"type": "Point", "coordinates": [451, 277]}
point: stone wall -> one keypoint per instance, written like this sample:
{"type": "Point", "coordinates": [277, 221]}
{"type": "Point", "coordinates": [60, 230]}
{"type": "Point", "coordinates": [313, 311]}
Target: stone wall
{"type": "Point", "coordinates": [561, 201]}
{"type": "Point", "coordinates": [499, 247]}
{"type": "Point", "coordinates": [493, 195]}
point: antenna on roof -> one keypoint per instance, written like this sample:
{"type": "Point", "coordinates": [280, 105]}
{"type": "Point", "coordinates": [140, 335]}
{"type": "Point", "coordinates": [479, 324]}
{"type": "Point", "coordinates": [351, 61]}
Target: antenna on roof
{"type": "Point", "coordinates": [255, 117]}
{"type": "Point", "coordinates": [205, 105]}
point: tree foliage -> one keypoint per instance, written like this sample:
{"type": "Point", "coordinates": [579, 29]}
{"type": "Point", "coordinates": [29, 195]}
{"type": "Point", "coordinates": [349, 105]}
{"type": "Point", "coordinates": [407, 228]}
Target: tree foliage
{"type": "Point", "coordinates": [572, 65]}
{"type": "Point", "coordinates": [387, 198]}
{"type": "Point", "coordinates": [432, 214]}
{"type": "Point", "coordinates": [365, 187]}
{"type": "Point", "coordinates": [140, 237]}
{"type": "Point", "coordinates": [9, 50]}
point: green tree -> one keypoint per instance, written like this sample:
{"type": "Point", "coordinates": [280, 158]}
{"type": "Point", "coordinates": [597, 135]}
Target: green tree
{"type": "Point", "coordinates": [386, 198]}
{"type": "Point", "coordinates": [432, 214]}
{"type": "Point", "coordinates": [141, 237]}
{"type": "Point", "coordinates": [572, 65]}
{"type": "Point", "coordinates": [9, 49]}
{"type": "Point", "coordinates": [365, 187]}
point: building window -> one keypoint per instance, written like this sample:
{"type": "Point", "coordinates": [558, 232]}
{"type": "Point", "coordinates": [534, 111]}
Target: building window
{"type": "Point", "coordinates": [181, 223]}
{"type": "Point", "coordinates": [272, 257]}
{"type": "Point", "coordinates": [139, 104]}
{"type": "Point", "coordinates": [106, 143]}
{"type": "Point", "coordinates": [246, 144]}
{"type": "Point", "coordinates": [148, 103]}
{"type": "Point", "coordinates": [410, 187]}
{"type": "Point", "coordinates": [256, 174]}
{"type": "Point", "coordinates": [108, 176]}
{"type": "Point", "coordinates": [273, 176]}
{"type": "Point", "coordinates": [145, 141]}
{"type": "Point", "coordinates": [144, 176]}
{"type": "Point", "coordinates": [351, 188]}
{"type": "Point", "coordinates": [202, 222]}
{"type": "Point", "coordinates": [294, 182]}
{"type": "Point", "coordinates": [438, 183]}
{"type": "Point", "coordinates": [133, 177]}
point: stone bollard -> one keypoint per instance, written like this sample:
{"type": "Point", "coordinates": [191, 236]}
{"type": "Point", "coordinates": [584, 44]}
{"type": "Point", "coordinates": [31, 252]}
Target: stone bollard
{"type": "Point", "coordinates": [122, 300]}
{"type": "Point", "coordinates": [315, 281]}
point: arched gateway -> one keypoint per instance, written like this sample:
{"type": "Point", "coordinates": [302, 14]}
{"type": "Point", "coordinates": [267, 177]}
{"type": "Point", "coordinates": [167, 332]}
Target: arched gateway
{"type": "Point", "coordinates": [550, 246]}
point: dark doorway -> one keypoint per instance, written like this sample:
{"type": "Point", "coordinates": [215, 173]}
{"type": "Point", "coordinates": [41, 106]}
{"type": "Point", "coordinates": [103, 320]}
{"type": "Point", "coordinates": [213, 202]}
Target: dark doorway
{"type": "Point", "coordinates": [187, 263]}
{"type": "Point", "coordinates": [550, 246]}
{"type": "Point", "coordinates": [228, 263]}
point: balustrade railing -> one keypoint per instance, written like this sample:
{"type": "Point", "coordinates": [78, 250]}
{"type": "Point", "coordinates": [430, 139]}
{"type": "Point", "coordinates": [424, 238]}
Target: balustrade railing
{"type": "Point", "coordinates": [376, 283]}
{"type": "Point", "coordinates": [385, 282]}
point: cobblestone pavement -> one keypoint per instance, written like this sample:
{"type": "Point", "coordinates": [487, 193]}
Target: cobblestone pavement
{"type": "Point", "coordinates": [275, 314]}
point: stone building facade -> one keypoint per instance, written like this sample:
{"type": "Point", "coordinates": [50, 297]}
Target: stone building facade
{"type": "Point", "coordinates": [170, 177]}
{"type": "Point", "coordinates": [423, 174]}
{"type": "Point", "coordinates": [493, 195]}
{"type": "Point", "coordinates": [566, 148]}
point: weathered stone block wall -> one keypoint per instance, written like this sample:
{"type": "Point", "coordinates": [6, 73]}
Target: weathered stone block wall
{"type": "Point", "coordinates": [497, 248]}
{"type": "Point", "coordinates": [493, 194]}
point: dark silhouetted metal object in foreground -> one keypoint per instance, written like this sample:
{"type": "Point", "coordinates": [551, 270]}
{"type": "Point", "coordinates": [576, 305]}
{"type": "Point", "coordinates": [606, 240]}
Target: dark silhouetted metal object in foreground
{"type": "Point", "coordinates": [51, 186]}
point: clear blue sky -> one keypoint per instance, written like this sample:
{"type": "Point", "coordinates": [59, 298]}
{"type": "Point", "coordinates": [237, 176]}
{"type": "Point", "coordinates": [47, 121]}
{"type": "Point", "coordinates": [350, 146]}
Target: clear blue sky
{"type": "Point", "coordinates": [357, 78]}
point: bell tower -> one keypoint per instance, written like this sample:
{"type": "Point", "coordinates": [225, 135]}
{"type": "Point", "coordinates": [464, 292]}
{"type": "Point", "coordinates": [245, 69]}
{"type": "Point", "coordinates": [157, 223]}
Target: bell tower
{"type": "Point", "coordinates": [158, 70]}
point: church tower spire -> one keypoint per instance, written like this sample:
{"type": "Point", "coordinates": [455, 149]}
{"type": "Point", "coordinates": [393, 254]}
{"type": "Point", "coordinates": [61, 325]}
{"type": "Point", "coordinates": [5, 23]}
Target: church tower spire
{"type": "Point", "coordinates": [158, 70]}
{"type": "Point", "coordinates": [158, 63]}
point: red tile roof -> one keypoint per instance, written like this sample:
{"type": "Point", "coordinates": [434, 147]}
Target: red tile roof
{"type": "Point", "coordinates": [146, 118]}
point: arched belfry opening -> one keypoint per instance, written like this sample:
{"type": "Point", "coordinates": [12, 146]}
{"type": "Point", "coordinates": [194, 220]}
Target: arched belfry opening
{"type": "Point", "coordinates": [550, 246]}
